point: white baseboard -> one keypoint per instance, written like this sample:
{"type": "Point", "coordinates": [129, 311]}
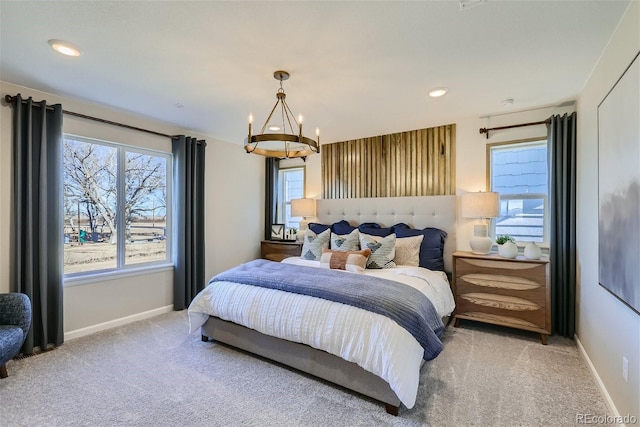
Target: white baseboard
{"type": "Point", "coordinates": [71, 335]}
{"type": "Point", "coordinates": [603, 389]}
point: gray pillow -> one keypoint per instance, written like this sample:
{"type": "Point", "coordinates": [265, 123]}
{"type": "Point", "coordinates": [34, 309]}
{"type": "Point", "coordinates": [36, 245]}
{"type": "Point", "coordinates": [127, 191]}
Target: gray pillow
{"type": "Point", "coordinates": [314, 243]}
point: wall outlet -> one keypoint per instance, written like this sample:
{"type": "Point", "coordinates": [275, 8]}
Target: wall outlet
{"type": "Point", "coordinates": [625, 369]}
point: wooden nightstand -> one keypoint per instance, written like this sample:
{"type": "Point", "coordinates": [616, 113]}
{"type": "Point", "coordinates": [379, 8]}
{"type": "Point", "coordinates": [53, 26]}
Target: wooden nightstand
{"type": "Point", "coordinates": [501, 291]}
{"type": "Point", "coordinates": [275, 250]}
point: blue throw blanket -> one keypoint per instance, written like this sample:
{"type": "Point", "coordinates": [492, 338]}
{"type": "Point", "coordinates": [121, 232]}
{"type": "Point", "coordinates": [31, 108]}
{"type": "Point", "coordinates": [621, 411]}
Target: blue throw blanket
{"type": "Point", "coordinates": [401, 303]}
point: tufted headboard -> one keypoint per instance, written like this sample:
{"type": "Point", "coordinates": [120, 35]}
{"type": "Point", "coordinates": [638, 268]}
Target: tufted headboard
{"type": "Point", "coordinates": [418, 212]}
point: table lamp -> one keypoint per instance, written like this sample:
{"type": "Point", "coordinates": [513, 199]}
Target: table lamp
{"type": "Point", "coordinates": [481, 205]}
{"type": "Point", "coordinates": [305, 208]}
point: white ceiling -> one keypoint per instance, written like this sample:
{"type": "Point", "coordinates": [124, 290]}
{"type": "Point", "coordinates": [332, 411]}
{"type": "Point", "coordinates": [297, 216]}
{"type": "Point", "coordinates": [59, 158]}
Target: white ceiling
{"type": "Point", "coordinates": [357, 68]}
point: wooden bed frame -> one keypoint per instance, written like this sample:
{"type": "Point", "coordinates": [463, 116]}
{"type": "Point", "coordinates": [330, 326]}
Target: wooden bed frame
{"type": "Point", "coordinates": [419, 212]}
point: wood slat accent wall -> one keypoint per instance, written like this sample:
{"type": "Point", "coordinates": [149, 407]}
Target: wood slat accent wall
{"type": "Point", "coordinates": [413, 163]}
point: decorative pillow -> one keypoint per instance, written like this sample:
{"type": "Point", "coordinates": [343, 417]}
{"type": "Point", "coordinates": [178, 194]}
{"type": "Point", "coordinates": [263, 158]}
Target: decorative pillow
{"type": "Point", "coordinates": [318, 228]}
{"type": "Point", "coordinates": [400, 225]}
{"type": "Point", "coordinates": [408, 251]}
{"type": "Point", "coordinates": [369, 225]}
{"type": "Point", "coordinates": [346, 242]}
{"type": "Point", "coordinates": [373, 229]}
{"type": "Point", "coordinates": [383, 250]}
{"type": "Point", "coordinates": [432, 247]}
{"type": "Point", "coordinates": [342, 227]}
{"type": "Point", "coordinates": [354, 261]}
{"type": "Point", "coordinates": [314, 243]}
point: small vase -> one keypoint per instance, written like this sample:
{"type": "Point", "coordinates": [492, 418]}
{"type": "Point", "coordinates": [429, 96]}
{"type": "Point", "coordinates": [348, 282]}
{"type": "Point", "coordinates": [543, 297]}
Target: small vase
{"type": "Point", "coordinates": [508, 250]}
{"type": "Point", "coordinates": [532, 251]}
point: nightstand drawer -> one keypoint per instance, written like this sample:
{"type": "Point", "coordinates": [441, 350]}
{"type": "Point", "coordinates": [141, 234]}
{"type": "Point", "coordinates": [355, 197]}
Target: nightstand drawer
{"type": "Point", "coordinates": [512, 310]}
{"type": "Point", "coordinates": [516, 279]}
{"type": "Point", "coordinates": [277, 251]}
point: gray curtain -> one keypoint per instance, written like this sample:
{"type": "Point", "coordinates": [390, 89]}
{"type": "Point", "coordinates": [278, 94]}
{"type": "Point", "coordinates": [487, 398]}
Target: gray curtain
{"type": "Point", "coordinates": [37, 215]}
{"type": "Point", "coordinates": [562, 208]}
{"type": "Point", "coordinates": [272, 165]}
{"type": "Point", "coordinates": [188, 197]}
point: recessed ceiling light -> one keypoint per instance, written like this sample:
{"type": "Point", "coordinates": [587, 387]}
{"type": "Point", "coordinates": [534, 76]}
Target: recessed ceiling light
{"type": "Point", "coordinates": [64, 47]}
{"type": "Point", "coordinates": [438, 92]}
{"type": "Point", "coordinates": [274, 128]}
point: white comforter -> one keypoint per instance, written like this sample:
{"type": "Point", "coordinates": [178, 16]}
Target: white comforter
{"type": "Point", "coordinates": [374, 342]}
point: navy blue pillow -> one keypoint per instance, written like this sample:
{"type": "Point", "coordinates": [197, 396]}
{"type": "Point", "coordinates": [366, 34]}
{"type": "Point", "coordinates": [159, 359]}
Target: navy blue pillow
{"type": "Point", "coordinates": [342, 227]}
{"type": "Point", "coordinates": [432, 247]}
{"type": "Point", "coordinates": [373, 229]}
{"type": "Point", "coordinates": [369, 225]}
{"type": "Point", "coordinates": [400, 225]}
{"type": "Point", "coordinates": [318, 228]}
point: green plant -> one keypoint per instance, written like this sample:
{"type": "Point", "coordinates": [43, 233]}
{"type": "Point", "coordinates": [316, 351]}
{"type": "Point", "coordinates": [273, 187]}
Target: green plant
{"type": "Point", "coordinates": [504, 238]}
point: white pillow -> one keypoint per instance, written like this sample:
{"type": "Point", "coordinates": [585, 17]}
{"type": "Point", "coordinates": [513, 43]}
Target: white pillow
{"type": "Point", "coordinates": [408, 250]}
{"type": "Point", "coordinates": [314, 243]}
{"type": "Point", "coordinates": [383, 250]}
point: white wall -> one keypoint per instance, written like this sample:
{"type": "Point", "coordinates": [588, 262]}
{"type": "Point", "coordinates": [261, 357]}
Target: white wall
{"type": "Point", "coordinates": [607, 329]}
{"type": "Point", "coordinates": [234, 210]}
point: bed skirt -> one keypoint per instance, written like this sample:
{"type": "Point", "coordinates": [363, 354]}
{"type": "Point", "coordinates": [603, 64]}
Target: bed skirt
{"type": "Point", "coordinates": [304, 358]}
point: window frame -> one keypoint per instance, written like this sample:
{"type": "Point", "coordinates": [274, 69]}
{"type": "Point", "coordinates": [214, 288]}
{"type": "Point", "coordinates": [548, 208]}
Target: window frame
{"type": "Point", "coordinates": [281, 203]}
{"type": "Point", "coordinates": [521, 196]}
{"type": "Point", "coordinates": [123, 269]}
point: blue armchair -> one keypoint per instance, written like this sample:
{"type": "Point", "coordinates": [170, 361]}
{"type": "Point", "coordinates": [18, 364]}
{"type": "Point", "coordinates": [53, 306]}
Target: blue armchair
{"type": "Point", "coordinates": [15, 321]}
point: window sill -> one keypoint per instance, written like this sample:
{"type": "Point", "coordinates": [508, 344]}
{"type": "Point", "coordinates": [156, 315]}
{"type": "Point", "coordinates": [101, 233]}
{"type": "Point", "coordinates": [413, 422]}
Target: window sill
{"type": "Point", "coordinates": [106, 276]}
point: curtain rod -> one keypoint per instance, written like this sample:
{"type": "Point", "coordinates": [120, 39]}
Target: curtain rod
{"type": "Point", "coordinates": [486, 131]}
{"type": "Point", "coordinates": [12, 100]}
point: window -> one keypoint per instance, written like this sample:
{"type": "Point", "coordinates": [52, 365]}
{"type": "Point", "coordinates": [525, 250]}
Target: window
{"type": "Point", "coordinates": [115, 206]}
{"type": "Point", "coordinates": [519, 172]}
{"type": "Point", "coordinates": [290, 186]}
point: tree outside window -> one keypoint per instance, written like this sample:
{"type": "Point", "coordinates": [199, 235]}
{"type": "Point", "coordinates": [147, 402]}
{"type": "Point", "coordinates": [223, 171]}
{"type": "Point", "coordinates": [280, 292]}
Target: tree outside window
{"type": "Point", "coordinates": [115, 206]}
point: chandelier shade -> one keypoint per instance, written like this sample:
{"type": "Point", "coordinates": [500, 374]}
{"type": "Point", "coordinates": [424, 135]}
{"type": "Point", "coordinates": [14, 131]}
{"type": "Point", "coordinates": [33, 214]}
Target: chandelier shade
{"type": "Point", "coordinates": [286, 141]}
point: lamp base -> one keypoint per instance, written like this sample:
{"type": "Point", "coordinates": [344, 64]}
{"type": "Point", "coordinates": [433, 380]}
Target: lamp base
{"type": "Point", "coordinates": [303, 226]}
{"type": "Point", "coordinates": [481, 245]}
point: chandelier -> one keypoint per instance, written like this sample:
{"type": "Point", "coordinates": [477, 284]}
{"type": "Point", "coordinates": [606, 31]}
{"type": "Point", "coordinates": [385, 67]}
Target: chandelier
{"type": "Point", "coordinates": [281, 135]}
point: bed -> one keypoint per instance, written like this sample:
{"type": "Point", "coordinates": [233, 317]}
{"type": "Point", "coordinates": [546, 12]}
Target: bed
{"type": "Point", "coordinates": [362, 349]}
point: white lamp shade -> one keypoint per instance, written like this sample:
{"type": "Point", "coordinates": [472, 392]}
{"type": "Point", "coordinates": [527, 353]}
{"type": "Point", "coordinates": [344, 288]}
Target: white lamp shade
{"type": "Point", "coordinates": [303, 207]}
{"type": "Point", "coordinates": [483, 204]}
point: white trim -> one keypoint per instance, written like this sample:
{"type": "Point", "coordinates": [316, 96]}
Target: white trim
{"type": "Point", "coordinates": [104, 276]}
{"type": "Point", "coordinates": [71, 335]}
{"type": "Point", "coordinates": [603, 389]}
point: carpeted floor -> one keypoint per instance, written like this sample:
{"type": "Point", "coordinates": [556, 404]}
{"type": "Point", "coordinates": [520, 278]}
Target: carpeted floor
{"type": "Point", "coordinates": [151, 373]}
